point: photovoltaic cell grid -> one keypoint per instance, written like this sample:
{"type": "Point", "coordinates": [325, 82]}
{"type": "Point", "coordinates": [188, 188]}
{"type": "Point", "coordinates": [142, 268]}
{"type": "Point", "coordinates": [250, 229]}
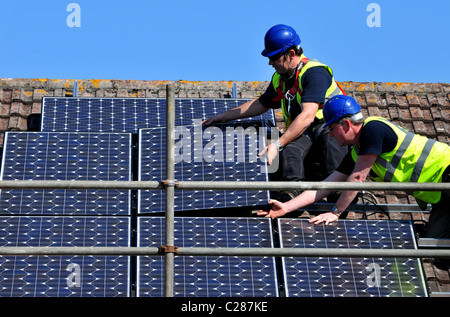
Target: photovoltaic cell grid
{"type": "Point", "coordinates": [40, 156]}
{"type": "Point", "coordinates": [208, 276]}
{"type": "Point", "coordinates": [58, 156]}
{"type": "Point", "coordinates": [350, 277]}
{"type": "Point", "coordinates": [219, 153]}
{"type": "Point", "coordinates": [64, 276]}
{"type": "Point", "coordinates": [130, 114]}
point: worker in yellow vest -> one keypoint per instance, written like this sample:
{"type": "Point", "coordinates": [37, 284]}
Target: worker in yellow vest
{"type": "Point", "coordinates": [299, 86]}
{"type": "Point", "coordinates": [387, 153]}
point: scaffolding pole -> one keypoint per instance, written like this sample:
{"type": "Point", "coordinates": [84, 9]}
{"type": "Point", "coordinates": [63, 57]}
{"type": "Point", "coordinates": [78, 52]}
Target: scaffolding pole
{"type": "Point", "coordinates": [408, 187]}
{"type": "Point", "coordinates": [224, 185]}
{"type": "Point", "coordinates": [170, 191]}
{"type": "Point", "coordinates": [198, 251]}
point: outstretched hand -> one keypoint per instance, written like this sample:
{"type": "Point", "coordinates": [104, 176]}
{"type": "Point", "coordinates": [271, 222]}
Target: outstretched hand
{"type": "Point", "coordinates": [210, 121]}
{"type": "Point", "coordinates": [277, 209]}
{"type": "Point", "coordinates": [327, 217]}
{"type": "Point", "coordinates": [220, 118]}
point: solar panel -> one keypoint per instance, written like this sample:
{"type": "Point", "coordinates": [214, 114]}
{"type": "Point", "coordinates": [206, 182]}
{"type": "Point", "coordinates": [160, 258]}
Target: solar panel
{"type": "Point", "coordinates": [350, 277]}
{"type": "Point", "coordinates": [208, 276]}
{"type": "Point", "coordinates": [130, 114]}
{"type": "Point", "coordinates": [56, 156]}
{"type": "Point", "coordinates": [64, 276]}
{"type": "Point", "coordinates": [219, 153]}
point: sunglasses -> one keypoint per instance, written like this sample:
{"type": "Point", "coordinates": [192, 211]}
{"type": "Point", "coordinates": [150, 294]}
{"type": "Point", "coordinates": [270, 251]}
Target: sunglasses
{"type": "Point", "coordinates": [275, 57]}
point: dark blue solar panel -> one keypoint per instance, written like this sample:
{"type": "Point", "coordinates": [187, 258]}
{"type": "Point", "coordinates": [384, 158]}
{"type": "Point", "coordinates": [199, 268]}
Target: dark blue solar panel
{"type": "Point", "coordinates": [130, 114]}
{"type": "Point", "coordinates": [64, 276]}
{"type": "Point", "coordinates": [219, 153]}
{"type": "Point", "coordinates": [350, 277]}
{"type": "Point", "coordinates": [212, 276]}
{"type": "Point", "coordinates": [57, 156]}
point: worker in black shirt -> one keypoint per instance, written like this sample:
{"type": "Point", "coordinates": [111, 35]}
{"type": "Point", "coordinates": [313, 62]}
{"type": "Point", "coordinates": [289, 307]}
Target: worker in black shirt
{"type": "Point", "coordinates": [299, 86]}
{"type": "Point", "coordinates": [387, 153]}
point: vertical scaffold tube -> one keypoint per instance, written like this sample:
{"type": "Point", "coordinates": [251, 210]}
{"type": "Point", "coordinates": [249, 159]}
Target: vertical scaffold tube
{"type": "Point", "coordinates": [170, 189]}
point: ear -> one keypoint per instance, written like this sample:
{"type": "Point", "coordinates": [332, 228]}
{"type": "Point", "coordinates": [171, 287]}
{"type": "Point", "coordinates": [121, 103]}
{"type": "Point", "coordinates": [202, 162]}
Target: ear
{"type": "Point", "coordinates": [347, 125]}
{"type": "Point", "coordinates": [291, 53]}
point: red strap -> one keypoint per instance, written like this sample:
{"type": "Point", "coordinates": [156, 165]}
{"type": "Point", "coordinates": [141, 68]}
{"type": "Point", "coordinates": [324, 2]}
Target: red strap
{"type": "Point", "coordinates": [343, 92]}
{"type": "Point", "coordinates": [295, 87]}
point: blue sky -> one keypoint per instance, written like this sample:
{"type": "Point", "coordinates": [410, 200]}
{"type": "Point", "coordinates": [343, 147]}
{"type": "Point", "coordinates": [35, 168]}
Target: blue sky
{"type": "Point", "coordinates": [207, 40]}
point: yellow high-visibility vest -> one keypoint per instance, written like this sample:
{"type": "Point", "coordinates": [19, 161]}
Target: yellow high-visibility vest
{"type": "Point", "coordinates": [415, 158]}
{"type": "Point", "coordinates": [296, 90]}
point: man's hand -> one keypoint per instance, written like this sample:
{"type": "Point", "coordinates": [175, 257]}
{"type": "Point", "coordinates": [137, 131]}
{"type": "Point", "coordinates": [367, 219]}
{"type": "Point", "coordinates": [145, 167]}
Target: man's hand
{"type": "Point", "coordinates": [215, 119]}
{"type": "Point", "coordinates": [272, 151]}
{"type": "Point", "coordinates": [327, 217]}
{"type": "Point", "coordinates": [248, 109]}
{"type": "Point", "coordinates": [278, 209]}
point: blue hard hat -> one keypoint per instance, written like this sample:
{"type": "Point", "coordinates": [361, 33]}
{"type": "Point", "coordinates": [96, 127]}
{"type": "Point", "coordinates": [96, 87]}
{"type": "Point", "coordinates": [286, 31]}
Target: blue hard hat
{"type": "Point", "coordinates": [338, 107]}
{"type": "Point", "coordinates": [278, 39]}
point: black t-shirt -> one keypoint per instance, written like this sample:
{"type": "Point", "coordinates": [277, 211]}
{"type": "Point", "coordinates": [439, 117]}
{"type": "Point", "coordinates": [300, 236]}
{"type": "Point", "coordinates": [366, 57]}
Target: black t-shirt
{"type": "Point", "coordinates": [376, 138]}
{"type": "Point", "coordinates": [315, 83]}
